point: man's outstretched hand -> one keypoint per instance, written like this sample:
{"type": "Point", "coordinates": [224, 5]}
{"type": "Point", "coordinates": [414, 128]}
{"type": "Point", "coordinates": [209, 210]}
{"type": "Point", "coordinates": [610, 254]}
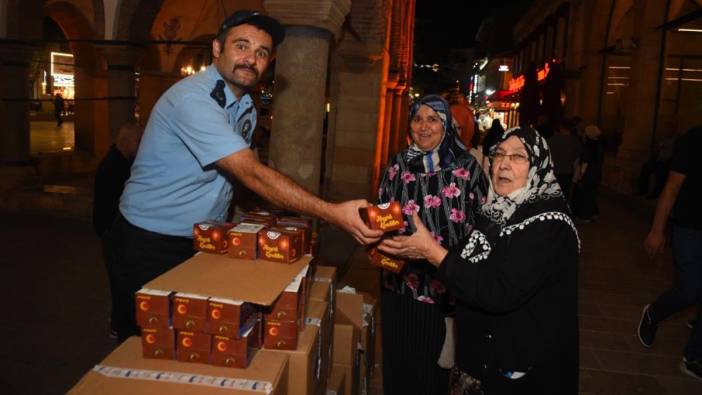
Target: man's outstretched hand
{"type": "Point", "coordinates": [345, 215]}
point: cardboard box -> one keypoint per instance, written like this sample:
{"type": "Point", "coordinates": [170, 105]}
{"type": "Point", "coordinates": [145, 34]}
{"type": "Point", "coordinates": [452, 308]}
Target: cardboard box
{"type": "Point", "coordinates": [303, 240]}
{"type": "Point", "coordinates": [358, 309]}
{"type": "Point", "coordinates": [158, 343]}
{"type": "Point", "coordinates": [326, 274]}
{"type": "Point", "coordinates": [318, 315]}
{"type": "Point", "coordinates": [153, 308]}
{"type": "Point", "coordinates": [226, 317]}
{"type": "Point", "coordinates": [298, 222]}
{"type": "Point", "coordinates": [237, 352]}
{"type": "Point", "coordinates": [263, 217]}
{"type": "Point", "coordinates": [346, 355]}
{"type": "Point", "coordinates": [193, 347]}
{"type": "Point", "coordinates": [287, 316]}
{"type": "Point", "coordinates": [305, 224]}
{"type": "Point", "coordinates": [336, 383]}
{"type": "Point", "coordinates": [290, 305]}
{"type": "Point", "coordinates": [280, 335]}
{"type": "Point", "coordinates": [210, 236]}
{"type": "Point", "coordinates": [243, 240]}
{"type": "Point", "coordinates": [154, 376]}
{"type": "Point", "coordinates": [257, 281]}
{"type": "Point", "coordinates": [385, 261]}
{"type": "Point", "coordinates": [320, 291]}
{"type": "Point", "coordinates": [279, 246]}
{"type": "Point", "coordinates": [302, 363]}
{"type": "Point", "coordinates": [189, 312]}
{"type": "Point", "coordinates": [386, 217]}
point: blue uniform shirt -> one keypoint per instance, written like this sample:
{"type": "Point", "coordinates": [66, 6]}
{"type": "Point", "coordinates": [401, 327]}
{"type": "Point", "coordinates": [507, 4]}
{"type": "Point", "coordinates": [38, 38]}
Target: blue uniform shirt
{"type": "Point", "coordinates": [174, 182]}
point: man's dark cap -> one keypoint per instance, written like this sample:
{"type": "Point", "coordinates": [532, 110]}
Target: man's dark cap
{"type": "Point", "coordinates": [255, 18]}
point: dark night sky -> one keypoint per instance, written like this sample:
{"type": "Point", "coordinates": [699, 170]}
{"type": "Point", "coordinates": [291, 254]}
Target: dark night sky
{"type": "Point", "coordinates": [440, 25]}
{"type": "Point", "coordinates": [453, 24]}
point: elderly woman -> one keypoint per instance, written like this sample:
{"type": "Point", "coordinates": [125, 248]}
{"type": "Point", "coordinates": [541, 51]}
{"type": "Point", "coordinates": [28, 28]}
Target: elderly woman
{"type": "Point", "coordinates": [514, 278]}
{"type": "Point", "coordinates": [436, 178]}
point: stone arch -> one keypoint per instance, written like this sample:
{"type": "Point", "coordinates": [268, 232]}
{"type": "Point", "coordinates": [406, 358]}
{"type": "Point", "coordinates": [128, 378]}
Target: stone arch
{"type": "Point", "coordinates": [77, 28]}
{"type": "Point", "coordinates": [3, 18]}
{"type": "Point", "coordinates": [623, 19]}
{"type": "Point", "coordinates": [99, 18]}
{"type": "Point", "coordinates": [135, 18]}
{"type": "Point", "coordinates": [194, 54]}
{"type": "Point", "coordinates": [23, 19]}
{"type": "Point", "coordinates": [679, 8]}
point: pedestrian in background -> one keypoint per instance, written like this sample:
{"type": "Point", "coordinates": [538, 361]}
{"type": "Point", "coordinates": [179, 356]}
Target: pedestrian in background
{"type": "Point", "coordinates": [58, 109]}
{"type": "Point", "coordinates": [111, 175]}
{"type": "Point", "coordinates": [588, 176]}
{"type": "Point", "coordinates": [679, 201]}
{"type": "Point", "coordinates": [565, 150]}
{"type": "Point", "coordinates": [463, 115]}
{"type": "Point", "coordinates": [494, 134]}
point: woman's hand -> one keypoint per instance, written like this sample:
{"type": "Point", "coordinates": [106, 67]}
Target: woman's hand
{"type": "Point", "coordinates": [421, 245]}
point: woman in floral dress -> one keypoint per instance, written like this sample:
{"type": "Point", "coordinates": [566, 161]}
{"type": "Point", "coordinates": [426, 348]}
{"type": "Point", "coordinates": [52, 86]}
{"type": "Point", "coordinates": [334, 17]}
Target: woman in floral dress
{"type": "Point", "coordinates": [437, 178]}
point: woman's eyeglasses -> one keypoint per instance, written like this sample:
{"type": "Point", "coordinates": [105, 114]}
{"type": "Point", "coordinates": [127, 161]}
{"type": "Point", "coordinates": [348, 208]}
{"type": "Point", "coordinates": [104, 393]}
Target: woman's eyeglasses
{"type": "Point", "coordinates": [514, 158]}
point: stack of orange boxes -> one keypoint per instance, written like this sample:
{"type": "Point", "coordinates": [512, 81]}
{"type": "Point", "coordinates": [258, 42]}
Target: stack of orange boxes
{"type": "Point", "coordinates": [196, 328]}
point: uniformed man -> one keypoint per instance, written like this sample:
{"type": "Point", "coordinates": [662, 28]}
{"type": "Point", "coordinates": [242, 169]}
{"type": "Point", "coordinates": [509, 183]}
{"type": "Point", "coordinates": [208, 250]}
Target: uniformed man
{"type": "Point", "coordinates": [197, 137]}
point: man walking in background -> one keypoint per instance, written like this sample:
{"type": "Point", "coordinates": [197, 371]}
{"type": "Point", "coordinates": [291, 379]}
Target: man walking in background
{"type": "Point", "coordinates": [680, 196]}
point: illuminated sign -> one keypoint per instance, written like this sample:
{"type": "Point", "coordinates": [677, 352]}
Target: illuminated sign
{"type": "Point", "coordinates": [503, 67]}
{"type": "Point", "coordinates": [516, 84]}
{"type": "Point", "coordinates": [62, 69]}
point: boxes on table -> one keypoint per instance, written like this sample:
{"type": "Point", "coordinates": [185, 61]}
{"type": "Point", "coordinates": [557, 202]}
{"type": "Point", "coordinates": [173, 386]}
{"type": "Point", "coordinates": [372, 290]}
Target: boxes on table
{"type": "Point", "coordinates": [286, 316]}
{"type": "Point", "coordinates": [304, 225]}
{"type": "Point", "coordinates": [153, 308]}
{"type": "Point", "coordinates": [243, 240]}
{"type": "Point", "coordinates": [196, 316]}
{"type": "Point", "coordinates": [279, 246]}
{"type": "Point", "coordinates": [125, 371]}
{"type": "Point", "coordinates": [262, 217]}
{"type": "Point", "coordinates": [189, 312]}
{"type": "Point", "coordinates": [237, 351]}
{"type": "Point", "coordinates": [193, 346]}
{"type": "Point", "coordinates": [302, 362]}
{"type": "Point", "coordinates": [158, 343]}
{"type": "Point", "coordinates": [211, 236]}
{"type": "Point", "coordinates": [226, 317]}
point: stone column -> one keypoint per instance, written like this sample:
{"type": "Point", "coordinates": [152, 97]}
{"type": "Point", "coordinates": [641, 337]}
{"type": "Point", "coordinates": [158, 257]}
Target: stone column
{"type": "Point", "coordinates": [301, 78]}
{"type": "Point", "coordinates": [14, 104]}
{"type": "Point", "coordinates": [121, 91]}
{"type": "Point", "coordinates": [643, 92]}
{"type": "Point", "coordinates": [400, 104]}
{"type": "Point", "coordinates": [639, 113]}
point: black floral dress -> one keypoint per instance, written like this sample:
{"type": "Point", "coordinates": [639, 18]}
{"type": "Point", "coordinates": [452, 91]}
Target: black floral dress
{"type": "Point", "coordinates": [446, 201]}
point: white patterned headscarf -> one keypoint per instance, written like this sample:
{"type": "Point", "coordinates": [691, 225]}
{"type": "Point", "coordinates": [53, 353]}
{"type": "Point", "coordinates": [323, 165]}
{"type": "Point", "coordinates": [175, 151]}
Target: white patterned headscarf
{"type": "Point", "coordinates": [541, 180]}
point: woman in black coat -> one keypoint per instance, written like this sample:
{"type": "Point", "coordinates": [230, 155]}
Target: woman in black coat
{"type": "Point", "coordinates": [514, 278]}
